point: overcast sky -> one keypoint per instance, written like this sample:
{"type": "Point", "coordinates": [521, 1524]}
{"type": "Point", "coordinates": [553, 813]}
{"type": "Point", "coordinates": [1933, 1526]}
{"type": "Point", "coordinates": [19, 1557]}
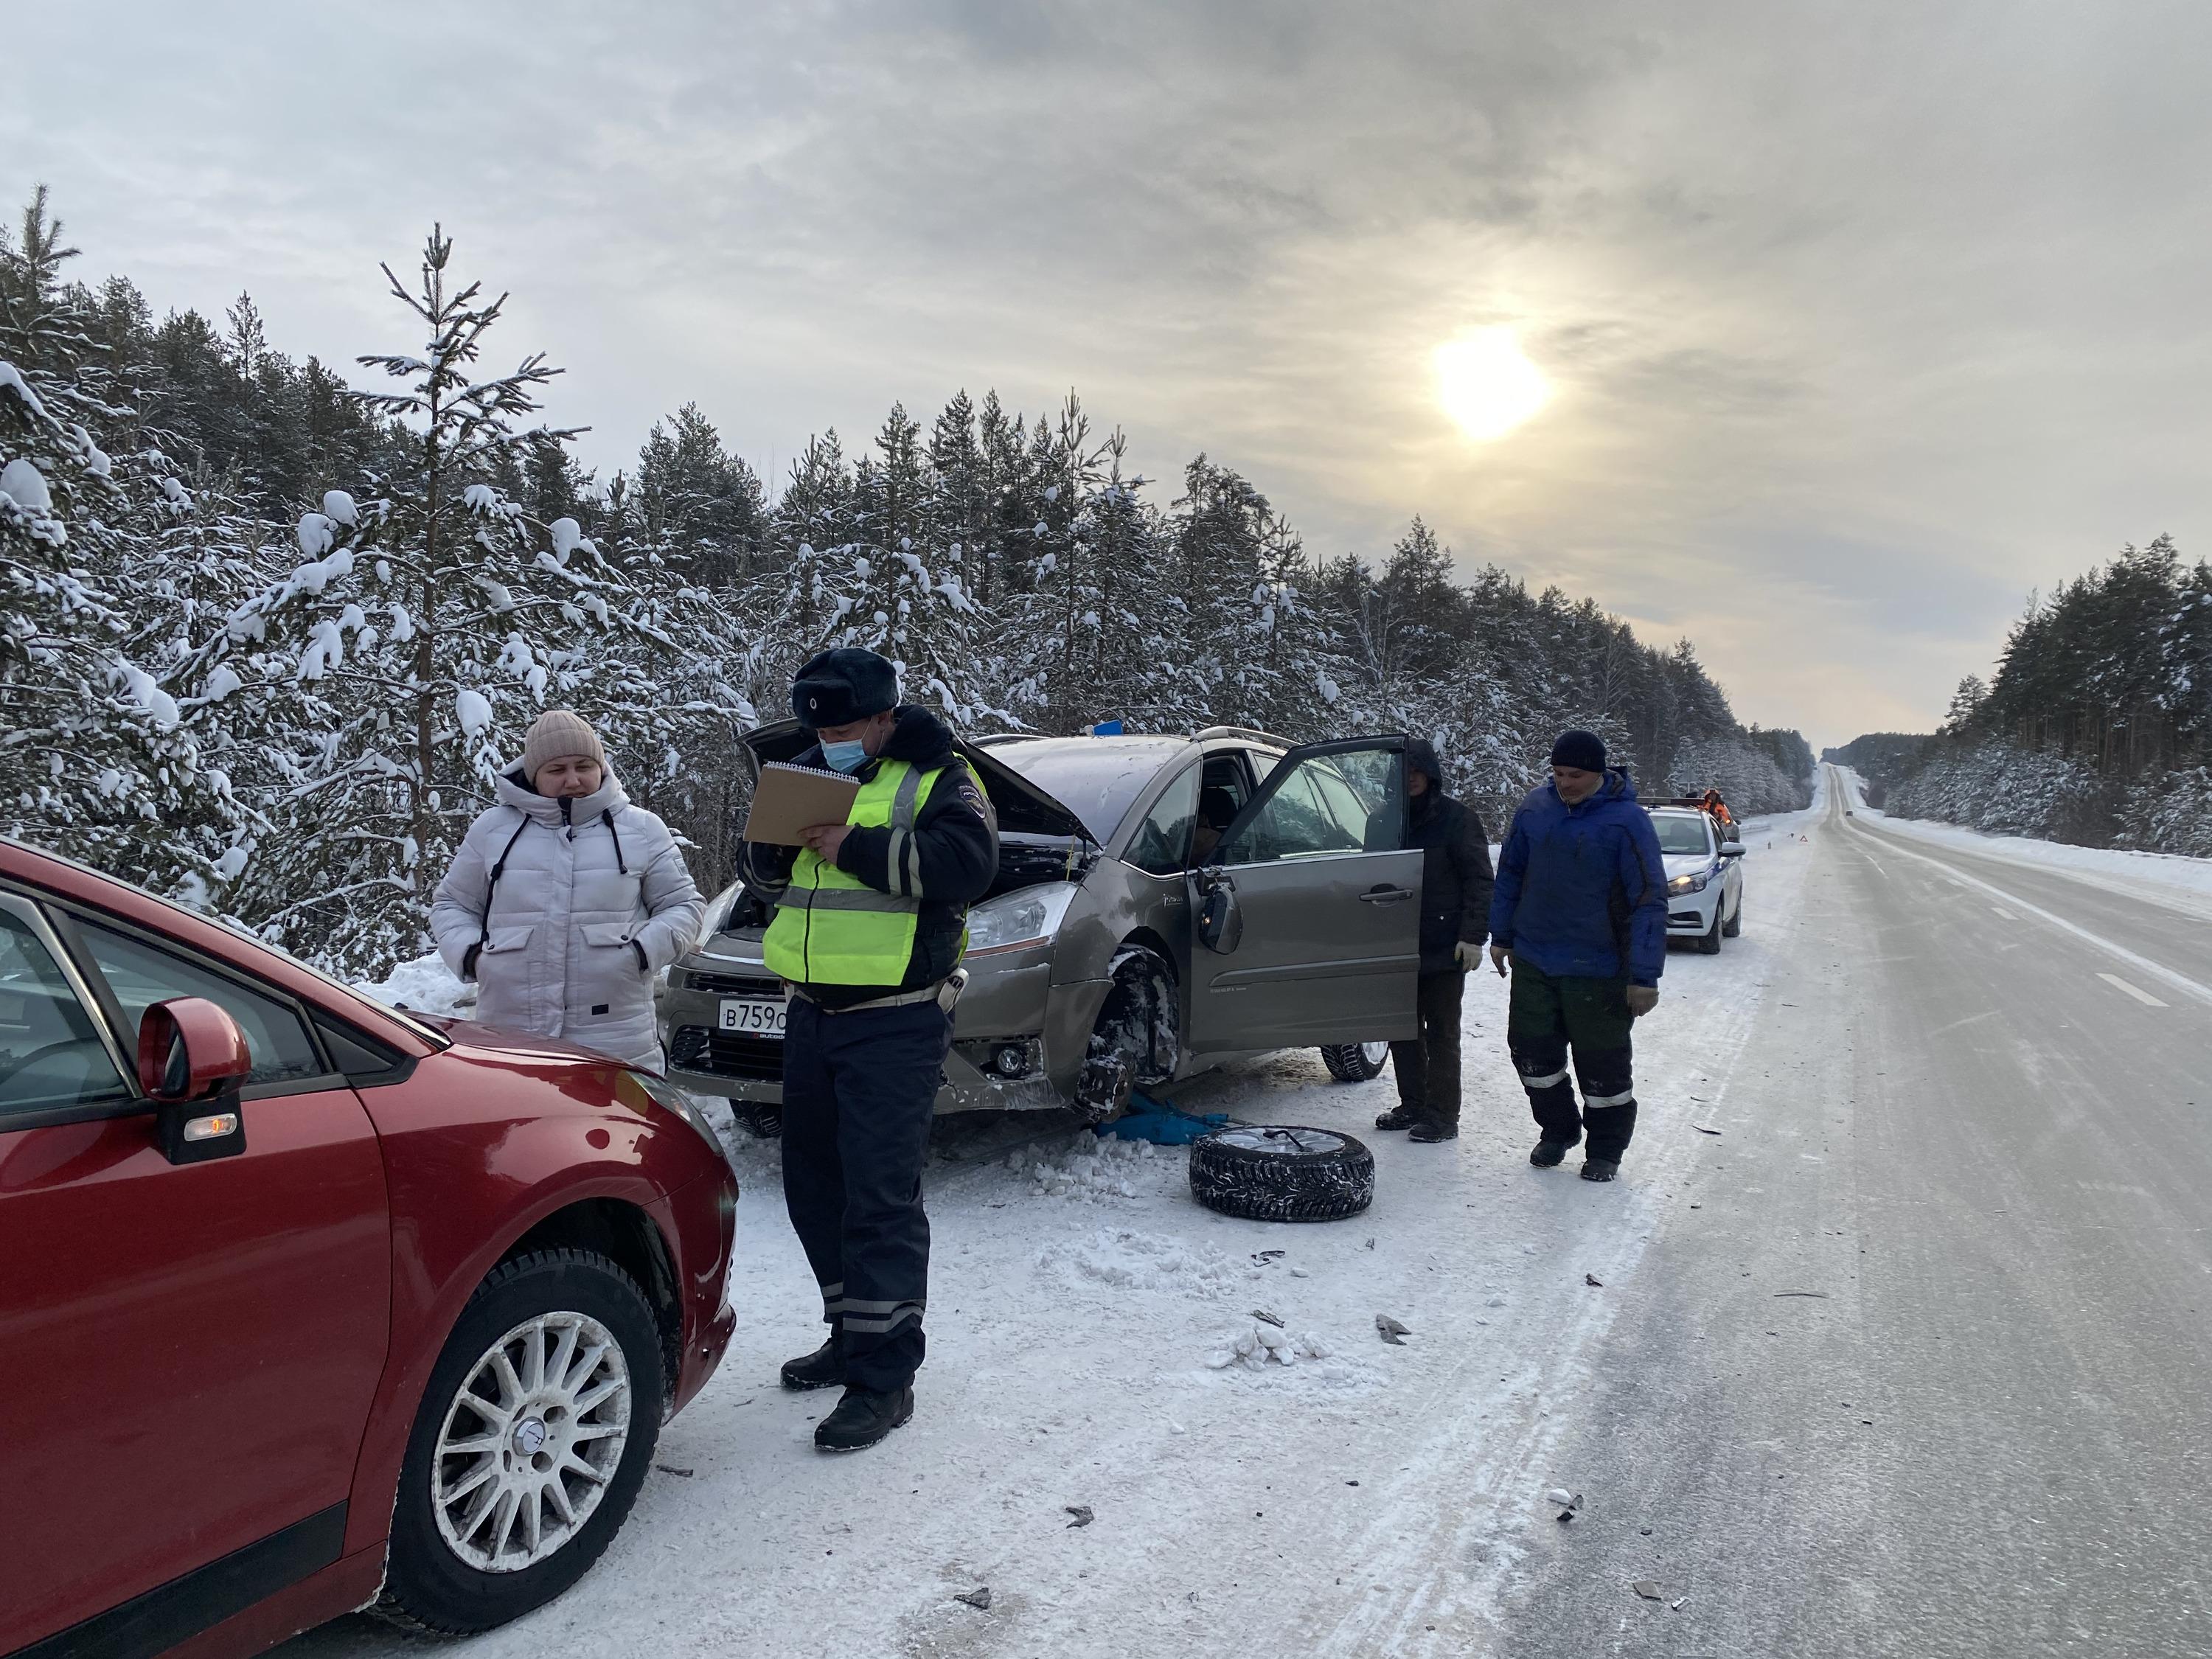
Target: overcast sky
{"type": "Point", "coordinates": [1861, 320]}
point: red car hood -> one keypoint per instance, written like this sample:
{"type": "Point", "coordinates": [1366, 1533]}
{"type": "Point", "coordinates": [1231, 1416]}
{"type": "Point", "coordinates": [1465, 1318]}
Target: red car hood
{"type": "Point", "coordinates": [505, 1042]}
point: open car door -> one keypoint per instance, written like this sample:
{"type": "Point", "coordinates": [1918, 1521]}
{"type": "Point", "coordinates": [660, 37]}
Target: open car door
{"type": "Point", "coordinates": [1310, 917]}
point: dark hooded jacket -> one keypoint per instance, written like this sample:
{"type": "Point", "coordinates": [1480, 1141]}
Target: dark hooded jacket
{"type": "Point", "coordinates": [1581, 890]}
{"type": "Point", "coordinates": [955, 837]}
{"type": "Point", "coordinates": [1455, 878]}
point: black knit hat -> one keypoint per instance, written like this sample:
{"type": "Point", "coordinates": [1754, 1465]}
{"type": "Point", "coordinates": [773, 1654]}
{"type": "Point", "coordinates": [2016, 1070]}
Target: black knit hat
{"type": "Point", "coordinates": [839, 687]}
{"type": "Point", "coordinates": [1584, 751]}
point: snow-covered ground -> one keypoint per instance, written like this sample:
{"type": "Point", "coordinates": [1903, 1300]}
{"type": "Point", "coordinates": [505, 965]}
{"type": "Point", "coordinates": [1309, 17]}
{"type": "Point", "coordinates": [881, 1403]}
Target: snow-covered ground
{"type": "Point", "coordinates": [2160, 878]}
{"type": "Point", "coordinates": [1086, 1315]}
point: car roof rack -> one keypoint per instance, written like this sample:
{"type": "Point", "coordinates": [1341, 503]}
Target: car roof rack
{"type": "Point", "coordinates": [1250, 733]}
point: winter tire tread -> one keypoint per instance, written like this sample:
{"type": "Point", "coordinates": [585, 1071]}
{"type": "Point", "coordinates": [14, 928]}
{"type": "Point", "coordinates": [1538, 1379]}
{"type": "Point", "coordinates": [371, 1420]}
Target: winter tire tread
{"type": "Point", "coordinates": [1347, 1062]}
{"type": "Point", "coordinates": [1283, 1185]}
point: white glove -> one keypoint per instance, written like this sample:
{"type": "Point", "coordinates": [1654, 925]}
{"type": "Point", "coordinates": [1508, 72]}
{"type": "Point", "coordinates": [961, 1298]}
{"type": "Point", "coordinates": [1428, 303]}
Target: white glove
{"type": "Point", "coordinates": [1469, 956]}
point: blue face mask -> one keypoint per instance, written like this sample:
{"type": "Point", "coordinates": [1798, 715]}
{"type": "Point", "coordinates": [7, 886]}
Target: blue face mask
{"type": "Point", "coordinates": [847, 757]}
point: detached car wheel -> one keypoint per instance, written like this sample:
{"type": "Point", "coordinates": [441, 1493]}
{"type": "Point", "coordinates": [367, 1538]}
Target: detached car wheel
{"type": "Point", "coordinates": [1355, 1062]}
{"type": "Point", "coordinates": [1282, 1173]}
{"type": "Point", "coordinates": [530, 1445]}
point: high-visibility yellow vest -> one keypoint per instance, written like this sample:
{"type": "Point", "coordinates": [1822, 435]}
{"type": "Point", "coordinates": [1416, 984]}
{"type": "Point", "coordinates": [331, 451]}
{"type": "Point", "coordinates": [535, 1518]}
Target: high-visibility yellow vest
{"type": "Point", "coordinates": [831, 927]}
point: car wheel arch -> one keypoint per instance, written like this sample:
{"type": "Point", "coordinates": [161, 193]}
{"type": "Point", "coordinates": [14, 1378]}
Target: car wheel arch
{"type": "Point", "coordinates": [628, 1236]}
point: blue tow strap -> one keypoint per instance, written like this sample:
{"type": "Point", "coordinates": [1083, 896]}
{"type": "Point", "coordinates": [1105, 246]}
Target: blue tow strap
{"type": "Point", "coordinates": [1161, 1124]}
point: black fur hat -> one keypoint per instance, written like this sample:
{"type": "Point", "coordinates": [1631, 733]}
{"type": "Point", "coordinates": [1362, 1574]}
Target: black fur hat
{"type": "Point", "coordinates": [839, 687]}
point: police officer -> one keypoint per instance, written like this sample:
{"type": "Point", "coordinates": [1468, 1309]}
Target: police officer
{"type": "Point", "coordinates": [870, 920]}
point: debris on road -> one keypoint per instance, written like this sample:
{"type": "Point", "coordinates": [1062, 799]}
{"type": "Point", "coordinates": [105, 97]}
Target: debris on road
{"type": "Point", "coordinates": [1391, 1331]}
{"type": "Point", "coordinates": [1569, 1502]}
{"type": "Point", "coordinates": [1082, 1514]}
{"type": "Point", "coordinates": [1704, 1129]}
{"type": "Point", "coordinates": [1821, 1294]}
{"type": "Point", "coordinates": [1675, 1605]}
{"type": "Point", "coordinates": [1266, 1318]}
{"type": "Point", "coordinates": [1265, 1256]}
{"type": "Point", "coordinates": [670, 1468]}
{"type": "Point", "coordinates": [1649, 1589]}
{"type": "Point", "coordinates": [978, 1599]}
{"type": "Point", "coordinates": [1592, 1278]}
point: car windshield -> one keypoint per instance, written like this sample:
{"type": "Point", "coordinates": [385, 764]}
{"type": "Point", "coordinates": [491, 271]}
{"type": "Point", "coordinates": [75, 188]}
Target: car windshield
{"type": "Point", "coordinates": [1098, 779]}
{"type": "Point", "coordinates": [1681, 835]}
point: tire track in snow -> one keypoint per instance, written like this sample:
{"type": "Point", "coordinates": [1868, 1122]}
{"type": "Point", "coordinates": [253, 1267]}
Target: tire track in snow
{"type": "Point", "coordinates": [1445, 1544]}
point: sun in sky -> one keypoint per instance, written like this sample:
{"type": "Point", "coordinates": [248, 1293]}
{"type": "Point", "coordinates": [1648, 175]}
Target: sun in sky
{"type": "Point", "coordinates": [1486, 383]}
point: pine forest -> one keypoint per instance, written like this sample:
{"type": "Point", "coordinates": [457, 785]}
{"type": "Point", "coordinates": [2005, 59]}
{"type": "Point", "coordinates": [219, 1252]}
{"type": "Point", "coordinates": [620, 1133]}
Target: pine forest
{"type": "Point", "coordinates": [266, 636]}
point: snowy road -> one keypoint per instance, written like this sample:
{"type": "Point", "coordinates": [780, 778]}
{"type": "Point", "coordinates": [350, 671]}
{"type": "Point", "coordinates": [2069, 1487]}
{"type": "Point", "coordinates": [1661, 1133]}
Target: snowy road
{"type": "Point", "coordinates": [1907, 1359]}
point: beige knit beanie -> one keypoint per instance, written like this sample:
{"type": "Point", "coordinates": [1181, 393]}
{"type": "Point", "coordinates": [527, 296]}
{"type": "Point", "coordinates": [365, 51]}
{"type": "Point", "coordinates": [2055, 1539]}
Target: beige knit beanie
{"type": "Point", "coordinates": [556, 733]}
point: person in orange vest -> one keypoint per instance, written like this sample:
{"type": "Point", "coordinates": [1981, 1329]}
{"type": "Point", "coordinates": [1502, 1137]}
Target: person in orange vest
{"type": "Point", "coordinates": [1722, 817]}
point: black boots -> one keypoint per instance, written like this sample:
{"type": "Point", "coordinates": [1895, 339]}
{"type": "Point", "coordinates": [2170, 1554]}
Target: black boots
{"type": "Point", "coordinates": [862, 1418]}
{"type": "Point", "coordinates": [1398, 1117]}
{"type": "Point", "coordinates": [1432, 1129]}
{"type": "Point", "coordinates": [1548, 1154]}
{"type": "Point", "coordinates": [1601, 1168]}
{"type": "Point", "coordinates": [823, 1369]}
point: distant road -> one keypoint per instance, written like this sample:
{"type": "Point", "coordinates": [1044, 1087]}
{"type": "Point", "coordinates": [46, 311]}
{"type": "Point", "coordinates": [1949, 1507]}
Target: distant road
{"type": "Point", "coordinates": [1929, 1370]}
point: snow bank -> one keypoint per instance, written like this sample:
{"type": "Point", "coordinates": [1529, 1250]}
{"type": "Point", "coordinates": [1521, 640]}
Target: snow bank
{"type": "Point", "coordinates": [2169, 871]}
{"type": "Point", "coordinates": [424, 985]}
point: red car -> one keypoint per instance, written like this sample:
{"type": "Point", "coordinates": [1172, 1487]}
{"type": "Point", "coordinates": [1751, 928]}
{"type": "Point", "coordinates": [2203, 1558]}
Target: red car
{"type": "Point", "coordinates": [307, 1304]}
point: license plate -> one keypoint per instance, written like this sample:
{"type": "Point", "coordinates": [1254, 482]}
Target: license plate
{"type": "Point", "coordinates": [754, 1016]}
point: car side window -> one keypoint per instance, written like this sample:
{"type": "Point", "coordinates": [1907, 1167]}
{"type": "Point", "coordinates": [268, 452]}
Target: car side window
{"type": "Point", "coordinates": [1163, 840]}
{"type": "Point", "coordinates": [50, 1054]}
{"type": "Point", "coordinates": [1350, 802]}
{"type": "Point", "coordinates": [141, 974]}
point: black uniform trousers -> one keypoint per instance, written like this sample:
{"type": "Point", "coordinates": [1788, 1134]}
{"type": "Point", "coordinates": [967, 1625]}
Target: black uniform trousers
{"type": "Point", "coordinates": [859, 1088]}
{"type": "Point", "coordinates": [1548, 1014]}
{"type": "Point", "coordinates": [1428, 1066]}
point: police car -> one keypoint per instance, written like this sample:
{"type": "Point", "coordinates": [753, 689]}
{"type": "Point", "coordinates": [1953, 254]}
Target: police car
{"type": "Point", "coordinates": [1705, 875]}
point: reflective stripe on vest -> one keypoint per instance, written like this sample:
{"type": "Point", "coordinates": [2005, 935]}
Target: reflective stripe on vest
{"type": "Point", "coordinates": [831, 927]}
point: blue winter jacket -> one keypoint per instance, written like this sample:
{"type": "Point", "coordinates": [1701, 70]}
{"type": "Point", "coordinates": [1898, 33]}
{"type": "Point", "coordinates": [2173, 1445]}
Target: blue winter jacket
{"type": "Point", "coordinates": [1581, 890]}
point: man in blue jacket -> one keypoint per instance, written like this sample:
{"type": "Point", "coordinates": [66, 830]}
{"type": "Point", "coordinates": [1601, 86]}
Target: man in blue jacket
{"type": "Point", "coordinates": [1580, 910]}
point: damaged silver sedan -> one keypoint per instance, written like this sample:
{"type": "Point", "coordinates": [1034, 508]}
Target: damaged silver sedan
{"type": "Point", "coordinates": [1163, 905]}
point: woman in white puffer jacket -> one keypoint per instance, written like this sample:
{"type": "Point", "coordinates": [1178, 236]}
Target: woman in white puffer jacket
{"type": "Point", "coordinates": [565, 900]}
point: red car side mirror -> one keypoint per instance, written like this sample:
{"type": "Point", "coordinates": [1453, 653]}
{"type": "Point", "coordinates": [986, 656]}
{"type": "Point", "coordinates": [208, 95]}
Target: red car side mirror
{"type": "Point", "coordinates": [191, 1055]}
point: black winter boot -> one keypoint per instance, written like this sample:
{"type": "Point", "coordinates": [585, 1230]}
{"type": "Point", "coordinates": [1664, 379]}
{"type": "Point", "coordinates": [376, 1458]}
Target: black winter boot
{"type": "Point", "coordinates": [1548, 1154]}
{"type": "Point", "coordinates": [1433, 1129]}
{"type": "Point", "coordinates": [862, 1418]}
{"type": "Point", "coordinates": [823, 1369]}
{"type": "Point", "coordinates": [1600, 1169]}
{"type": "Point", "coordinates": [1398, 1117]}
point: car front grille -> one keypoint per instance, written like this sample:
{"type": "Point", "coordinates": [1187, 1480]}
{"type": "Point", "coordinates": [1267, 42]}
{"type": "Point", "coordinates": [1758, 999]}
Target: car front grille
{"type": "Point", "coordinates": [732, 985]}
{"type": "Point", "coordinates": [726, 1054]}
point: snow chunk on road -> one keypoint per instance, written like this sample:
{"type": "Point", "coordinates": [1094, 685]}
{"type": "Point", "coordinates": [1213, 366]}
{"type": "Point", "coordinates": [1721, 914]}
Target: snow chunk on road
{"type": "Point", "coordinates": [1101, 1171]}
{"type": "Point", "coordinates": [1130, 1260]}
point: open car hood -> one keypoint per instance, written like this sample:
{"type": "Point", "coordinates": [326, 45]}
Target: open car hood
{"type": "Point", "coordinates": [1023, 808]}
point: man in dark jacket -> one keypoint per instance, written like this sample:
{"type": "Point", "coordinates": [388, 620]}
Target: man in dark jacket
{"type": "Point", "coordinates": [1580, 910]}
{"type": "Point", "coordinates": [1455, 883]}
{"type": "Point", "coordinates": [870, 922]}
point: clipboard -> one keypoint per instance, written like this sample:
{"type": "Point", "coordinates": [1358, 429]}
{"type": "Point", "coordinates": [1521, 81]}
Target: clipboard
{"type": "Point", "coordinates": [789, 799]}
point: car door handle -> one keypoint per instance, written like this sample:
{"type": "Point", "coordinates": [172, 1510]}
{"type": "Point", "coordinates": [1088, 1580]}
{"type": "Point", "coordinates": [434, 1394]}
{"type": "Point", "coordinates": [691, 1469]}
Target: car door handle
{"type": "Point", "coordinates": [1386, 895]}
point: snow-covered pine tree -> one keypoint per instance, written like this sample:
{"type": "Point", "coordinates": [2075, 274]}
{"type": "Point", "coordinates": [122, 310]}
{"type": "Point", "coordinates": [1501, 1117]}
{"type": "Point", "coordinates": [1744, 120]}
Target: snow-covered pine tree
{"type": "Point", "coordinates": [390, 665]}
{"type": "Point", "coordinates": [99, 761]}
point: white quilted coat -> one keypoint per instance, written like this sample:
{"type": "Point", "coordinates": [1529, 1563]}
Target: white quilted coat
{"type": "Point", "coordinates": [580, 894]}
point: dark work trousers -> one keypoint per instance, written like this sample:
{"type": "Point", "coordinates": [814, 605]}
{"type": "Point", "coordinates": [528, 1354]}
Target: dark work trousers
{"type": "Point", "coordinates": [1546, 1017]}
{"type": "Point", "coordinates": [1428, 1066]}
{"type": "Point", "coordinates": [858, 1091]}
